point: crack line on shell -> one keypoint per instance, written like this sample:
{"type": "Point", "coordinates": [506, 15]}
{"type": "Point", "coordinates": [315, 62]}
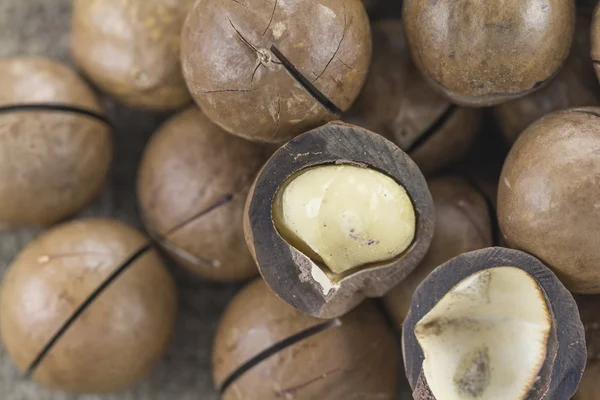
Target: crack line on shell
{"type": "Point", "coordinates": [84, 306]}
{"type": "Point", "coordinates": [433, 128]}
{"type": "Point", "coordinates": [305, 83]}
{"type": "Point", "coordinates": [285, 393]}
{"type": "Point", "coordinates": [271, 21]}
{"type": "Point", "coordinates": [55, 108]}
{"type": "Point", "coordinates": [338, 47]}
{"type": "Point", "coordinates": [240, 3]}
{"type": "Point", "coordinates": [277, 347]}
{"type": "Point", "coordinates": [242, 38]}
{"type": "Point", "coordinates": [221, 202]}
{"type": "Point", "coordinates": [494, 224]}
{"type": "Point", "coordinates": [226, 91]}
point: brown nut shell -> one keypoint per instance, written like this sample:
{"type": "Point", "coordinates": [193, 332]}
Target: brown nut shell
{"type": "Point", "coordinates": [590, 384]}
{"type": "Point", "coordinates": [121, 334]}
{"type": "Point", "coordinates": [353, 357]}
{"type": "Point", "coordinates": [241, 83]}
{"type": "Point", "coordinates": [548, 196]}
{"type": "Point", "coordinates": [53, 161]}
{"type": "Point", "coordinates": [483, 53]}
{"type": "Point", "coordinates": [130, 49]}
{"type": "Point", "coordinates": [399, 104]}
{"type": "Point", "coordinates": [565, 358]}
{"type": "Point", "coordinates": [286, 270]}
{"type": "Point", "coordinates": [574, 86]}
{"type": "Point", "coordinates": [192, 185]}
{"type": "Point", "coordinates": [462, 224]}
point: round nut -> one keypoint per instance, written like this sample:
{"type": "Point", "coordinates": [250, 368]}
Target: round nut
{"type": "Point", "coordinates": [53, 160]}
{"type": "Point", "coordinates": [120, 335]}
{"type": "Point", "coordinates": [130, 49]}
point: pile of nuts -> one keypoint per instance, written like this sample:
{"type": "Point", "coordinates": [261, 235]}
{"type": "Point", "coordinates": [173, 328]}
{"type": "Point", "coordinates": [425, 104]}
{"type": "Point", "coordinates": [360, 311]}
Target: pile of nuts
{"type": "Point", "coordinates": [433, 176]}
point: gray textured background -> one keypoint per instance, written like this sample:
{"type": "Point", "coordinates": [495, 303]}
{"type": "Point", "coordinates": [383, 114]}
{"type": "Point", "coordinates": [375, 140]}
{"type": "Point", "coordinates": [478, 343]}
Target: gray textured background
{"type": "Point", "coordinates": [41, 27]}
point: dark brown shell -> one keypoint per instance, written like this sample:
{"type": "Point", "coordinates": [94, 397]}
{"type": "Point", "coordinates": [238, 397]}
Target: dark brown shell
{"type": "Point", "coordinates": [130, 49]}
{"type": "Point", "coordinates": [548, 199]}
{"type": "Point", "coordinates": [590, 383]}
{"type": "Point", "coordinates": [486, 52]}
{"type": "Point", "coordinates": [54, 162]}
{"type": "Point", "coordinates": [566, 354]}
{"type": "Point", "coordinates": [462, 224]}
{"type": "Point", "coordinates": [119, 337]}
{"type": "Point", "coordinates": [285, 269]}
{"type": "Point", "coordinates": [193, 181]}
{"type": "Point", "coordinates": [242, 85]}
{"type": "Point", "coordinates": [353, 357]}
{"type": "Point", "coordinates": [574, 86]}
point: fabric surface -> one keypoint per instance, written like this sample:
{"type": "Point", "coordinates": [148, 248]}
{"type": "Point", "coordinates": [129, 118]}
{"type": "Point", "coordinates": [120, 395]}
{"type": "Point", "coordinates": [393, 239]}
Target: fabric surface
{"type": "Point", "coordinates": [41, 27]}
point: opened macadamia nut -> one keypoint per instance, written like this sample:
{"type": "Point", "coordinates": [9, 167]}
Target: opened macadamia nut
{"type": "Point", "coordinates": [55, 142]}
{"type": "Point", "coordinates": [399, 104]}
{"type": "Point", "coordinates": [337, 215]}
{"type": "Point", "coordinates": [462, 224]}
{"type": "Point", "coordinates": [493, 324]}
{"type": "Point", "coordinates": [267, 350]}
{"type": "Point", "coordinates": [87, 307]}
{"type": "Point", "coordinates": [192, 184]}
{"type": "Point", "coordinates": [548, 199]}
{"type": "Point", "coordinates": [574, 86]}
{"type": "Point", "coordinates": [486, 52]}
{"type": "Point", "coordinates": [130, 49]}
{"type": "Point", "coordinates": [270, 70]}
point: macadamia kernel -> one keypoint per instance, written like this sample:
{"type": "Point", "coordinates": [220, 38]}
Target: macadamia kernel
{"type": "Point", "coordinates": [345, 216]}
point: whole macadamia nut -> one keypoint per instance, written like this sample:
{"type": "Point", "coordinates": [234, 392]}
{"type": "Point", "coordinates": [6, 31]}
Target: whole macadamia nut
{"type": "Point", "coordinates": [192, 184]}
{"type": "Point", "coordinates": [462, 224]}
{"type": "Point", "coordinates": [130, 49]}
{"type": "Point", "coordinates": [122, 331]}
{"type": "Point", "coordinates": [399, 104]}
{"type": "Point", "coordinates": [265, 349]}
{"type": "Point", "coordinates": [574, 86]}
{"type": "Point", "coordinates": [482, 53]}
{"type": "Point", "coordinates": [590, 382]}
{"type": "Point", "coordinates": [270, 70]}
{"type": "Point", "coordinates": [55, 142]}
{"type": "Point", "coordinates": [549, 196]}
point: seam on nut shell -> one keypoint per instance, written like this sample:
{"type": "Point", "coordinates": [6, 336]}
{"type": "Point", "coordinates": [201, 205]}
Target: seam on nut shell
{"type": "Point", "coordinates": [56, 108]}
{"type": "Point", "coordinates": [84, 306]}
{"type": "Point", "coordinates": [495, 226]}
{"type": "Point", "coordinates": [277, 347]}
{"type": "Point", "coordinates": [305, 83]}
{"type": "Point", "coordinates": [433, 128]}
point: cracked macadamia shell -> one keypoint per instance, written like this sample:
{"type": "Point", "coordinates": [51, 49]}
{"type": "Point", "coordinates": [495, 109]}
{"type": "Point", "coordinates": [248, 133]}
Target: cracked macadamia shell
{"type": "Point", "coordinates": [399, 104]}
{"type": "Point", "coordinates": [296, 275]}
{"type": "Point", "coordinates": [192, 184]}
{"type": "Point", "coordinates": [52, 162]}
{"type": "Point", "coordinates": [515, 326]}
{"type": "Point", "coordinates": [353, 357]}
{"type": "Point", "coordinates": [590, 383]}
{"type": "Point", "coordinates": [574, 86]}
{"type": "Point", "coordinates": [462, 224]}
{"type": "Point", "coordinates": [480, 53]}
{"type": "Point", "coordinates": [130, 49]}
{"type": "Point", "coordinates": [122, 333]}
{"type": "Point", "coordinates": [241, 84]}
{"type": "Point", "coordinates": [549, 196]}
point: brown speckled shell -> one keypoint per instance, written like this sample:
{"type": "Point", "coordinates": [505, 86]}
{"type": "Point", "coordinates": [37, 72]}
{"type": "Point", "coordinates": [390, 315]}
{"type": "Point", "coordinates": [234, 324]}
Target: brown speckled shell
{"type": "Point", "coordinates": [462, 224]}
{"type": "Point", "coordinates": [398, 103]}
{"type": "Point", "coordinates": [574, 86]}
{"type": "Point", "coordinates": [52, 163]}
{"type": "Point", "coordinates": [119, 337]}
{"type": "Point", "coordinates": [549, 196]}
{"type": "Point", "coordinates": [242, 86]}
{"type": "Point", "coordinates": [188, 171]}
{"type": "Point", "coordinates": [484, 52]}
{"type": "Point", "coordinates": [355, 359]}
{"type": "Point", "coordinates": [130, 49]}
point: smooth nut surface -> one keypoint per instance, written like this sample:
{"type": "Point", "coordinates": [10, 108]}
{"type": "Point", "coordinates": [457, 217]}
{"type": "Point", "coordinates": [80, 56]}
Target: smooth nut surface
{"type": "Point", "coordinates": [52, 162]}
{"type": "Point", "coordinates": [119, 337]}
{"type": "Point", "coordinates": [485, 52]}
{"type": "Point", "coordinates": [130, 48]}
{"type": "Point", "coordinates": [244, 88]}
{"type": "Point", "coordinates": [548, 196]}
{"type": "Point", "coordinates": [348, 216]}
